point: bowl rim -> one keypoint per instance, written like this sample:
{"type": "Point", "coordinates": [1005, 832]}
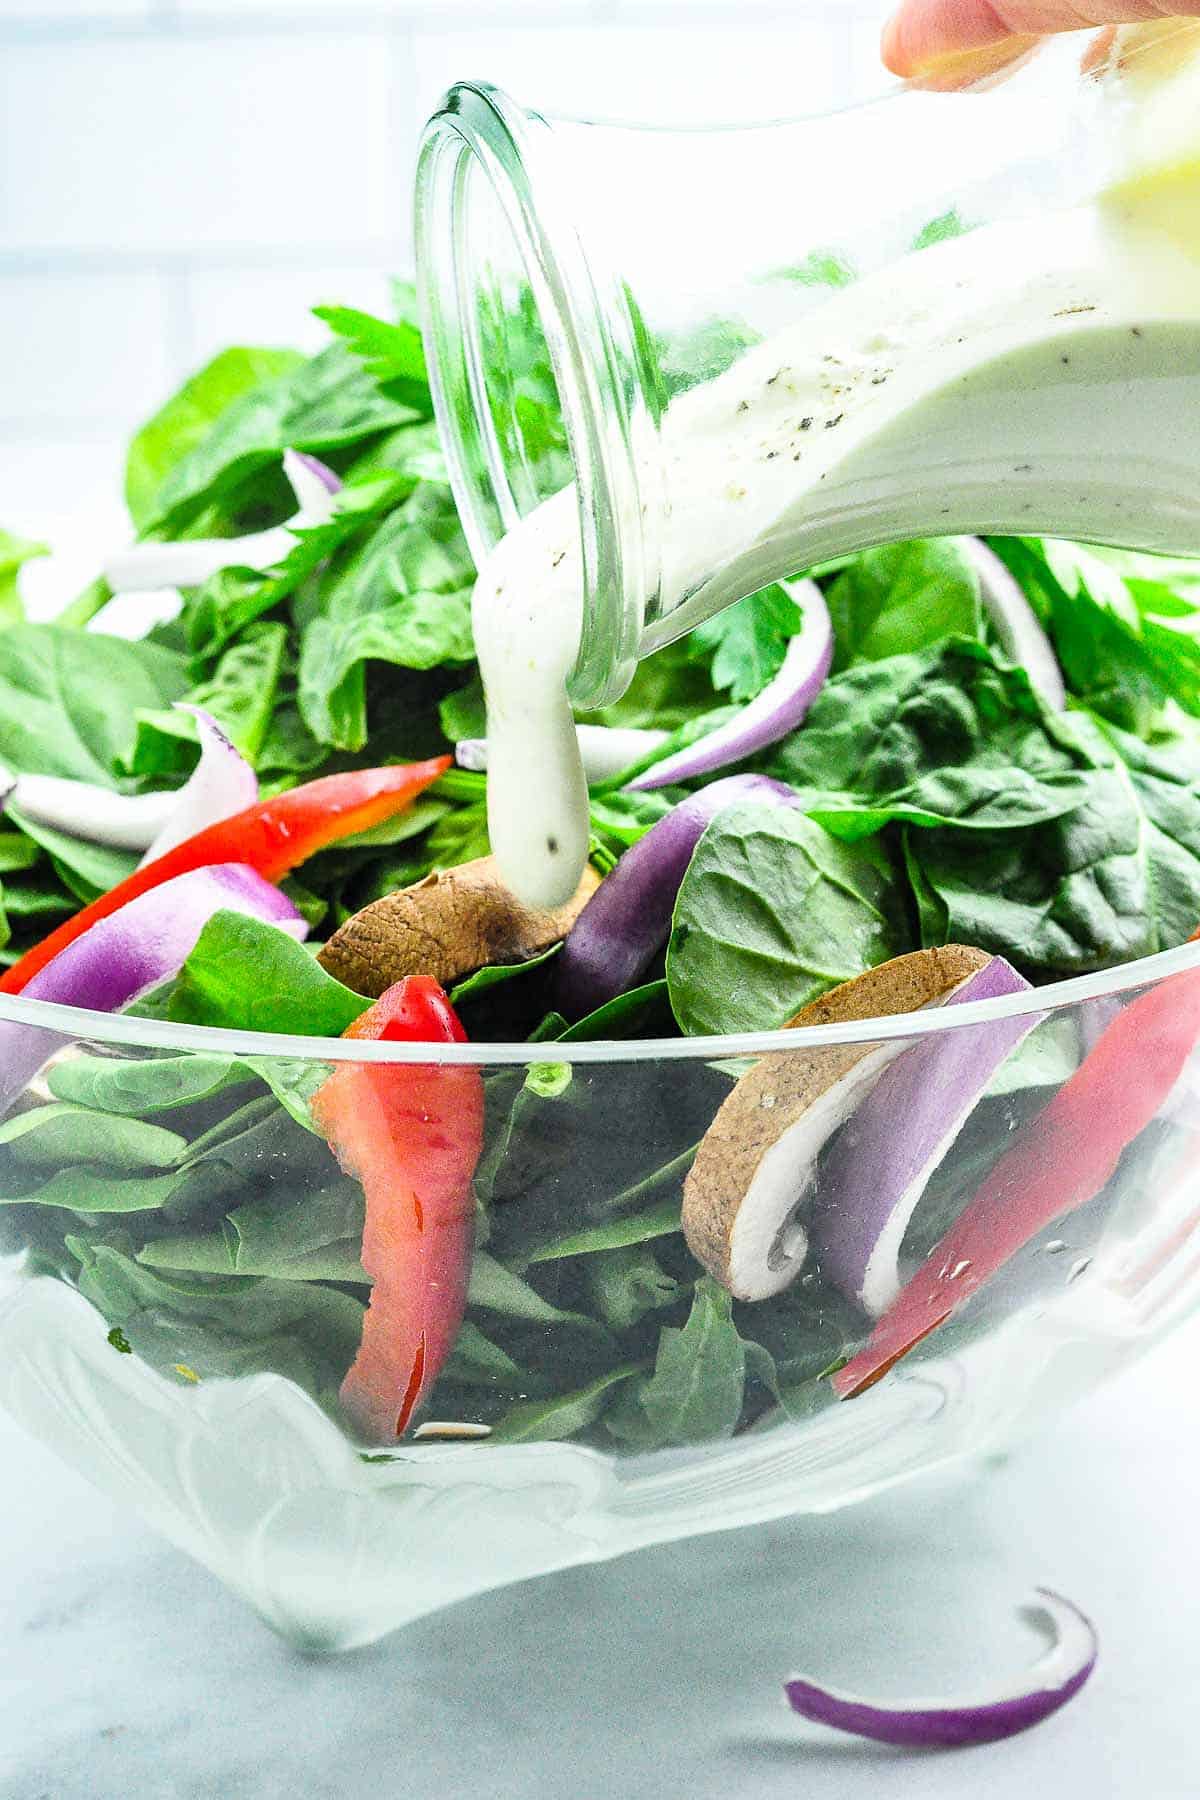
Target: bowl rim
{"type": "Point", "coordinates": [78, 1023]}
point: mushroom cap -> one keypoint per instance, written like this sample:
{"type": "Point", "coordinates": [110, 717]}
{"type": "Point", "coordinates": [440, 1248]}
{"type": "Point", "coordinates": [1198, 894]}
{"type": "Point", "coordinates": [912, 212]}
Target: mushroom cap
{"type": "Point", "coordinates": [757, 1158]}
{"type": "Point", "coordinates": [448, 925]}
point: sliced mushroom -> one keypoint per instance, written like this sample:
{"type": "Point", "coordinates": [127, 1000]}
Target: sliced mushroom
{"type": "Point", "coordinates": [452, 923]}
{"type": "Point", "coordinates": [754, 1169]}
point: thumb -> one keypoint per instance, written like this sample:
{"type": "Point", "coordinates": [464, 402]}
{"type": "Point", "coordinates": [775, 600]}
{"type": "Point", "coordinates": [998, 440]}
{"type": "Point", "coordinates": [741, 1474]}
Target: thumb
{"type": "Point", "coordinates": [952, 43]}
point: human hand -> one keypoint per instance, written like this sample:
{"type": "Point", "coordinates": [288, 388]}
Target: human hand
{"type": "Point", "coordinates": [951, 42]}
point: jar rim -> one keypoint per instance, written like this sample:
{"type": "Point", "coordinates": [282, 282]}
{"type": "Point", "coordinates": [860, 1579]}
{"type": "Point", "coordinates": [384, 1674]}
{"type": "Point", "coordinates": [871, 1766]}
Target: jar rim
{"type": "Point", "coordinates": [478, 130]}
{"type": "Point", "coordinates": [164, 1034]}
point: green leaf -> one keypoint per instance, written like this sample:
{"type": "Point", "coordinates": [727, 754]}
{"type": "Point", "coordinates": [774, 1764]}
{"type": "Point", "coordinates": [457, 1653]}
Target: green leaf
{"type": "Point", "coordinates": [404, 599]}
{"type": "Point", "coordinates": [289, 1233]}
{"type": "Point", "coordinates": [188, 417]}
{"type": "Point", "coordinates": [147, 1085]}
{"type": "Point", "coordinates": [820, 268]}
{"type": "Point", "coordinates": [498, 1289]}
{"type": "Point", "coordinates": [84, 1188]}
{"type": "Point", "coordinates": [627, 1283]}
{"type": "Point", "coordinates": [669, 688]}
{"type": "Point", "coordinates": [68, 699]}
{"type": "Point", "coordinates": [748, 641]}
{"type": "Point", "coordinates": [15, 552]}
{"type": "Point", "coordinates": [245, 975]}
{"type": "Point", "coordinates": [947, 225]}
{"type": "Point", "coordinates": [85, 868]}
{"type": "Point", "coordinates": [659, 1220]}
{"type": "Point", "coordinates": [771, 913]}
{"type": "Point", "coordinates": [57, 1135]}
{"type": "Point", "coordinates": [498, 974]}
{"type": "Point", "coordinates": [949, 735]}
{"type": "Point", "coordinates": [695, 1393]}
{"type": "Point", "coordinates": [214, 1326]}
{"type": "Point", "coordinates": [903, 597]}
{"type": "Point", "coordinates": [565, 1416]}
{"type": "Point", "coordinates": [392, 354]}
{"type": "Point", "coordinates": [240, 694]}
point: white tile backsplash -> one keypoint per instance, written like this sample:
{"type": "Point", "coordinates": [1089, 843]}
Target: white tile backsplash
{"type": "Point", "coordinates": [273, 307]}
{"type": "Point", "coordinates": [42, 12]}
{"type": "Point", "coordinates": [179, 146]}
{"type": "Point", "coordinates": [65, 493]}
{"type": "Point", "coordinates": [81, 349]}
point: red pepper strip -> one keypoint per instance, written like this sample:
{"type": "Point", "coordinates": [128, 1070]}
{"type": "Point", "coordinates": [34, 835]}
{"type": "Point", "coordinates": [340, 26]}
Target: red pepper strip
{"type": "Point", "coordinates": [1061, 1162]}
{"type": "Point", "coordinates": [274, 837]}
{"type": "Point", "coordinates": [412, 1134]}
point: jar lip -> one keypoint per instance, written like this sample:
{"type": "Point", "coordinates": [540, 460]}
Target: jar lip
{"type": "Point", "coordinates": [163, 1034]}
{"type": "Point", "coordinates": [478, 124]}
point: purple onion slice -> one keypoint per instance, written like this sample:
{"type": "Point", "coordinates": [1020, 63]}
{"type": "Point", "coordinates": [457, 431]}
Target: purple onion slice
{"type": "Point", "coordinates": [944, 1724]}
{"type": "Point", "coordinates": [770, 716]}
{"type": "Point", "coordinates": [872, 1180]}
{"type": "Point", "coordinates": [1016, 624]}
{"type": "Point", "coordinates": [132, 951]}
{"type": "Point", "coordinates": [628, 919]}
{"type": "Point", "coordinates": [221, 784]}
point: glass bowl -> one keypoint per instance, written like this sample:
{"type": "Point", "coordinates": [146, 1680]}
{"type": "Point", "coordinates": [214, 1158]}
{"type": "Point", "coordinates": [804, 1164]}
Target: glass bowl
{"type": "Point", "coordinates": [182, 1293]}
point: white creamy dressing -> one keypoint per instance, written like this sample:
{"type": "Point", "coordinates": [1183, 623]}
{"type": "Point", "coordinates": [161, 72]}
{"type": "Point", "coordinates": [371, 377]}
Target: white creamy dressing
{"type": "Point", "coordinates": [1039, 375]}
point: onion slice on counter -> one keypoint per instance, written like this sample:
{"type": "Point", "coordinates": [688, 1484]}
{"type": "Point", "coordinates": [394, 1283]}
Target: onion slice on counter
{"type": "Point", "coordinates": [628, 919]}
{"type": "Point", "coordinates": [876, 1172]}
{"type": "Point", "coordinates": [780, 707]}
{"type": "Point", "coordinates": [940, 1724]}
{"type": "Point", "coordinates": [147, 566]}
{"type": "Point", "coordinates": [605, 749]}
{"type": "Point", "coordinates": [1015, 623]}
{"type": "Point", "coordinates": [132, 951]}
{"type": "Point", "coordinates": [222, 783]}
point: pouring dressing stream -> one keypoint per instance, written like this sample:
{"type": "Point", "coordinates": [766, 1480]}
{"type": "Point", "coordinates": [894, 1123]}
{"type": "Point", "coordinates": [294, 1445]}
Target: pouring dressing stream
{"type": "Point", "coordinates": [1039, 374]}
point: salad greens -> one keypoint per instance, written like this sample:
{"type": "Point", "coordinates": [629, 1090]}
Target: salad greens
{"type": "Point", "coordinates": [193, 1198]}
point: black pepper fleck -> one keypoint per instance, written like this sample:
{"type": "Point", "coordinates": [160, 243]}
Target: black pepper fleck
{"type": "Point", "coordinates": [1135, 331]}
{"type": "Point", "coordinates": [836, 420]}
{"type": "Point", "coordinates": [552, 845]}
{"type": "Point", "coordinates": [743, 406]}
{"type": "Point", "coordinates": [770, 456]}
{"type": "Point", "coordinates": [772, 379]}
{"type": "Point", "coordinates": [1022, 468]}
{"type": "Point", "coordinates": [562, 553]}
{"type": "Point", "coordinates": [1064, 360]}
{"type": "Point", "coordinates": [806, 424]}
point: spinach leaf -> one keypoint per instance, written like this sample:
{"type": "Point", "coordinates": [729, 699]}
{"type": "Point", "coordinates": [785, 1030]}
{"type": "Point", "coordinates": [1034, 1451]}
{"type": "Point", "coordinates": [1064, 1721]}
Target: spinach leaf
{"type": "Point", "coordinates": [68, 699]}
{"type": "Point", "coordinates": [86, 1188]}
{"type": "Point", "coordinates": [392, 353]}
{"type": "Point", "coordinates": [627, 1283]}
{"type": "Point", "coordinates": [945, 736]}
{"type": "Point", "coordinates": [669, 688]}
{"type": "Point", "coordinates": [901, 598]}
{"type": "Point", "coordinates": [84, 868]}
{"type": "Point", "coordinates": [287, 1233]}
{"type": "Point", "coordinates": [189, 416]}
{"type": "Point", "coordinates": [771, 913]}
{"type": "Point", "coordinates": [404, 598]}
{"type": "Point", "coordinates": [658, 1220]}
{"type": "Point", "coordinates": [60, 1134]}
{"type": "Point", "coordinates": [564, 1416]}
{"type": "Point", "coordinates": [695, 1392]}
{"type": "Point", "coordinates": [201, 1326]}
{"type": "Point", "coordinates": [748, 641]}
{"type": "Point", "coordinates": [137, 1087]}
{"type": "Point", "coordinates": [240, 693]}
{"type": "Point", "coordinates": [247, 976]}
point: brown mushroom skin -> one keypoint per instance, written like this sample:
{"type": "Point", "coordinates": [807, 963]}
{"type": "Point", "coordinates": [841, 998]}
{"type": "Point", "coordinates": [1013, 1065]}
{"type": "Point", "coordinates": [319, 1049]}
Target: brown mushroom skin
{"type": "Point", "coordinates": [773, 1095]}
{"type": "Point", "coordinates": [452, 923]}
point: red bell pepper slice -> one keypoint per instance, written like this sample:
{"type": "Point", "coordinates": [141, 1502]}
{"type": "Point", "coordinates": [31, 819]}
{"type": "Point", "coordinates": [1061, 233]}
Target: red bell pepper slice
{"type": "Point", "coordinates": [1062, 1160]}
{"type": "Point", "coordinates": [274, 836]}
{"type": "Point", "coordinates": [412, 1134]}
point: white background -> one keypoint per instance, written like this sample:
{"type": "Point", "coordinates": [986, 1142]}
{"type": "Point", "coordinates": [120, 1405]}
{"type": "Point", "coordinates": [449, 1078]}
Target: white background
{"type": "Point", "coordinates": [179, 175]}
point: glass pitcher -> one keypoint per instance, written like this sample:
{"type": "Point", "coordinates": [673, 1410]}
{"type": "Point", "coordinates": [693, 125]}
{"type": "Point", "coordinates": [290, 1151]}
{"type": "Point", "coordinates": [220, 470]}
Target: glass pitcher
{"type": "Point", "coordinates": [754, 349]}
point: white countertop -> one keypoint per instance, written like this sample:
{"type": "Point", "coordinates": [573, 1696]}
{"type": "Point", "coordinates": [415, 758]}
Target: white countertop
{"type": "Point", "coordinates": [128, 1673]}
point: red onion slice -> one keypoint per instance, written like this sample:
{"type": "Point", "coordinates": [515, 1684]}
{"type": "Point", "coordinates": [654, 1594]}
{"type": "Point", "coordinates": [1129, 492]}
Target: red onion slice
{"type": "Point", "coordinates": [780, 707]}
{"type": "Point", "coordinates": [941, 1725]}
{"type": "Point", "coordinates": [145, 567]}
{"type": "Point", "coordinates": [1016, 624]}
{"type": "Point", "coordinates": [628, 919]}
{"type": "Point", "coordinates": [605, 749]}
{"type": "Point", "coordinates": [875, 1174]}
{"type": "Point", "coordinates": [221, 784]}
{"type": "Point", "coordinates": [130, 952]}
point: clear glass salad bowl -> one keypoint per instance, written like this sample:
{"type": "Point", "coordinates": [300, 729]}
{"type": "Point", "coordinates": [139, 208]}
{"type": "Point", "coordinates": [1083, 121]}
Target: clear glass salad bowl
{"type": "Point", "coordinates": [184, 1294]}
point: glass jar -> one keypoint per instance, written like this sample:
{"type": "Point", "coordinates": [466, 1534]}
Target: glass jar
{"type": "Point", "coordinates": [579, 278]}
